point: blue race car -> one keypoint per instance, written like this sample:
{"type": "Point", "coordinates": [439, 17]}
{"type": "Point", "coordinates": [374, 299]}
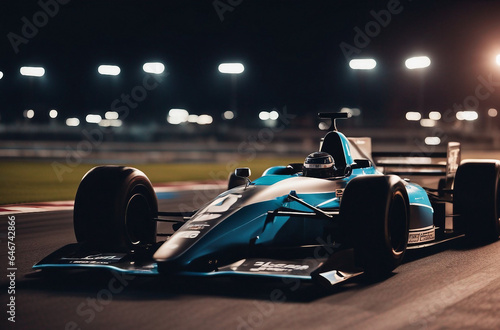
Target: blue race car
{"type": "Point", "coordinates": [332, 218]}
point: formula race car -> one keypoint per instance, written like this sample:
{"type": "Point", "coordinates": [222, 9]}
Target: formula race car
{"type": "Point", "coordinates": [338, 215]}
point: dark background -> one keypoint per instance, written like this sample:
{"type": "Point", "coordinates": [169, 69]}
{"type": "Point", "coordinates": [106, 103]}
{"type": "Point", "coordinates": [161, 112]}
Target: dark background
{"type": "Point", "coordinates": [290, 49]}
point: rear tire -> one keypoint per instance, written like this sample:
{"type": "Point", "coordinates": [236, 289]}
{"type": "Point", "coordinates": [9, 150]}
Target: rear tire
{"type": "Point", "coordinates": [476, 200]}
{"type": "Point", "coordinates": [376, 210]}
{"type": "Point", "coordinates": [115, 207]}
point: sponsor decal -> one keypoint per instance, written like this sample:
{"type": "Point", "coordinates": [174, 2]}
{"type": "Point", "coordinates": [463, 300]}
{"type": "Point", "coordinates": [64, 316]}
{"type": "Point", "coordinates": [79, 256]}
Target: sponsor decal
{"type": "Point", "coordinates": [95, 259]}
{"type": "Point", "coordinates": [421, 236]}
{"type": "Point", "coordinates": [102, 257]}
{"type": "Point", "coordinates": [339, 193]}
{"type": "Point", "coordinates": [90, 262]}
{"type": "Point", "coordinates": [206, 217]}
{"type": "Point", "coordinates": [261, 266]}
{"type": "Point", "coordinates": [198, 227]}
{"type": "Point", "coordinates": [217, 208]}
{"type": "Point", "coordinates": [188, 234]}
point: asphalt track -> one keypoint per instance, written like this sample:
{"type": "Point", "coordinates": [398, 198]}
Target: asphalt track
{"type": "Point", "coordinates": [452, 286]}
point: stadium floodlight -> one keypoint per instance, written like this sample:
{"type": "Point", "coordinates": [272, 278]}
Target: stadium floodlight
{"type": "Point", "coordinates": [193, 118]}
{"type": "Point", "coordinates": [93, 119]}
{"type": "Point", "coordinates": [110, 123]}
{"type": "Point", "coordinates": [435, 115]}
{"type": "Point", "coordinates": [231, 68]}
{"type": "Point", "coordinates": [418, 62]}
{"type": "Point", "coordinates": [427, 122]}
{"type": "Point", "coordinates": [32, 71]}
{"type": "Point", "coordinates": [109, 70]}
{"type": "Point", "coordinates": [204, 120]}
{"type": "Point", "coordinates": [469, 115]}
{"type": "Point", "coordinates": [111, 115]}
{"type": "Point", "coordinates": [29, 113]}
{"type": "Point", "coordinates": [413, 116]}
{"type": "Point", "coordinates": [72, 122]}
{"type": "Point", "coordinates": [274, 115]}
{"type": "Point", "coordinates": [363, 64]}
{"type": "Point", "coordinates": [432, 140]}
{"type": "Point", "coordinates": [177, 116]}
{"type": "Point", "coordinates": [1, 74]}
{"type": "Point", "coordinates": [228, 115]}
{"type": "Point", "coordinates": [264, 115]}
{"type": "Point", "coordinates": [492, 112]}
{"type": "Point", "coordinates": [53, 113]}
{"type": "Point", "coordinates": [153, 67]}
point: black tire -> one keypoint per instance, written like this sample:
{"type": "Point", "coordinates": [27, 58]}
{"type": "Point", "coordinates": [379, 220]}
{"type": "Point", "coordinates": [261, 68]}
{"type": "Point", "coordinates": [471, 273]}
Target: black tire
{"type": "Point", "coordinates": [476, 200]}
{"type": "Point", "coordinates": [115, 207]}
{"type": "Point", "coordinates": [376, 213]}
{"type": "Point", "coordinates": [235, 181]}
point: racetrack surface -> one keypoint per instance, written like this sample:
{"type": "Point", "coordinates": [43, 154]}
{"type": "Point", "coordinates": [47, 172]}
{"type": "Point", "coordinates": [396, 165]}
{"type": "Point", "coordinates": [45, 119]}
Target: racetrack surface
{"type": "Point", "coordinates": [452, 286]}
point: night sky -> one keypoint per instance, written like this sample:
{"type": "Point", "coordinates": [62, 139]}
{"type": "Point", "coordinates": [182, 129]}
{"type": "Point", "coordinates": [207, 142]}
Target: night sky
{"type": "Point", "coordinates": [290, 49]}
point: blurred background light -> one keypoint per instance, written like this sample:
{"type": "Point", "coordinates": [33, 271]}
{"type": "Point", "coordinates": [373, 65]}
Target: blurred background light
{"type": "Point", "coordinates": [264, 115]}
{"type": "Point", "coordinates": [111, 115]}
{"type": "Point", "coordinates": [418, 62]}
{"type": "Point", "coordinates": [177, 116]}
{"type": "Point", "coordinates": [432, 140]}
{"type": "Point", "coordinates": [193, 118]}
{"type": "Point", "coordinates": [29, 113]}
{"type": "Point", "coordinates": [413, 116]}
{"type": "Point", "coordinates": [110, 123]}
{"type": "Point", "coordinates": [93, 119]}
{"type": "Point", "coordinates": [228, 115]}
{"type": "Point", "coordinates": [231, 68]}
{"type": "Point", "coordinates": [53, 113]}
{"type": "Point", "coordinates": [353, 111]}
{"type": "Point", "coordinates": [363, 64]}
{"type": "Point", "coordinates": [435, 115]}
{"type": "Point", "coordinates": [72, 122]}
{"type": "Point", "coordinates": [467, 115]}
{"type": "Point", "coordinates": [109, 70]}
{"type": "Point", "coordinates": [323, 126]}
{"type": "Point", "coordinates": [204, 120]}
{"type": "Point", "coordinates": [1, 74]}
{"type": "Point", "coordinates": [274, 115]}
{"type": "Point", "coordinates": [32, 71]}
{"type": "Point", "coordinates": [427, 122]}
{"type": "Point", "coordinates": [492, 112]}
{"type": "Point", "coordinates": [498, 59]}
{"type": "Point", "coordinates": [153, 67]}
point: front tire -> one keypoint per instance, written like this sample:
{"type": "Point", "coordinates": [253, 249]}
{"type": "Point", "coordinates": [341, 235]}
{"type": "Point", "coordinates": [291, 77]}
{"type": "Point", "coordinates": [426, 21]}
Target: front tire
{"type": "Point", "coordinates": [375, 211]}
{"type": "Point", "coordinates": [115, 207]}
{"type": "Point", "coordinates": [476, 200]}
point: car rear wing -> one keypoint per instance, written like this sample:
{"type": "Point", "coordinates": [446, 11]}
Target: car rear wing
{"type": "Point", "coordinates": [443, 164]}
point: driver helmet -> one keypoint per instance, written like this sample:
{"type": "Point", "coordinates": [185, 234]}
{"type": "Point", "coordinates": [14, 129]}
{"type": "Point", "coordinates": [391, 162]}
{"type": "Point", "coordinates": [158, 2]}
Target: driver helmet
{"type": "Point", "coordinates": [319, 165]}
